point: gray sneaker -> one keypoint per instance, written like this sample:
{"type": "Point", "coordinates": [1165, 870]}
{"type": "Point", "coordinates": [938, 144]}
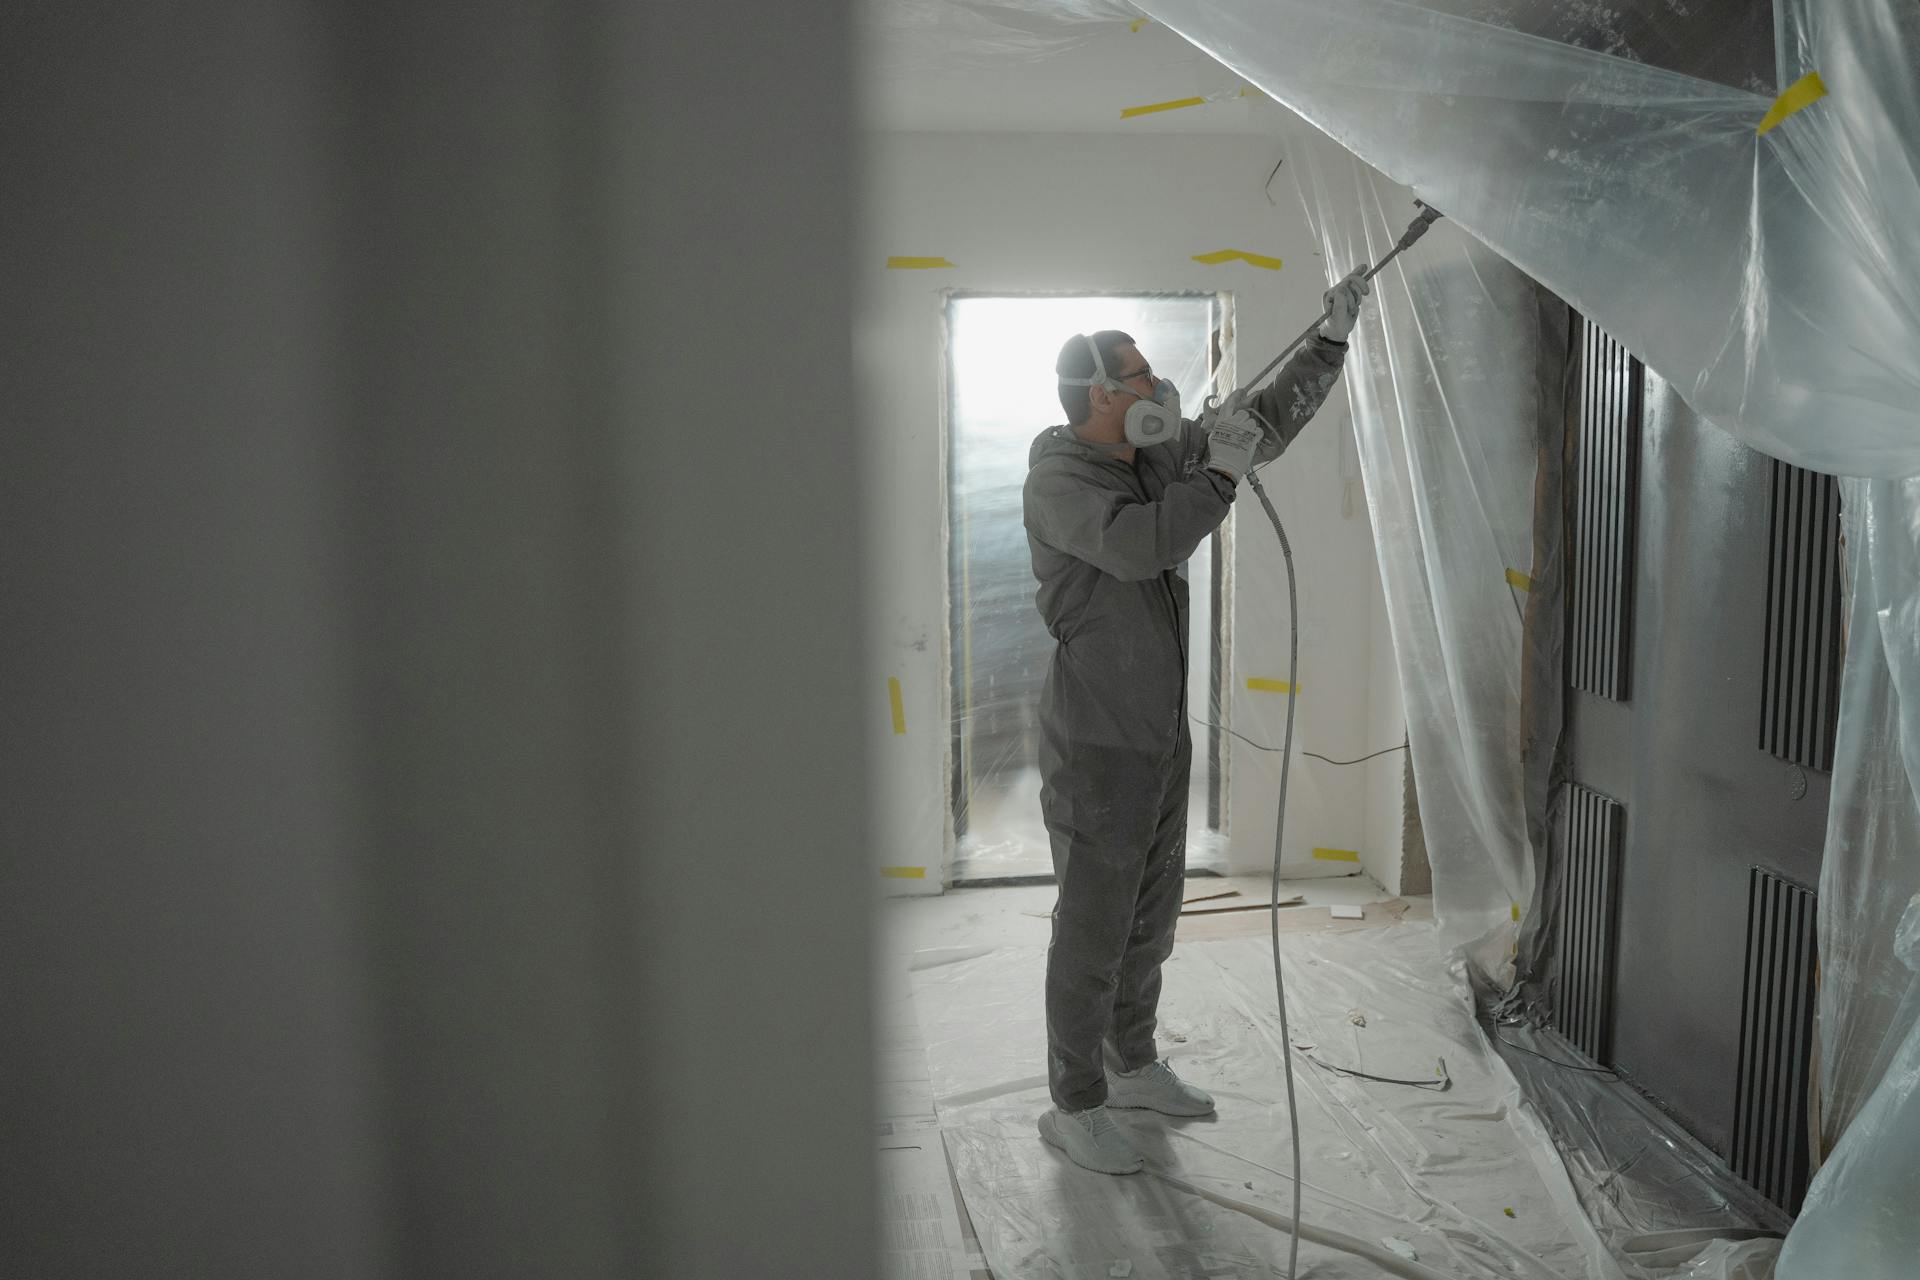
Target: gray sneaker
{"type": "Point", "coordinates": [1091, 1140]}
{"type": "Point", "coordinates": [1155, 1088]}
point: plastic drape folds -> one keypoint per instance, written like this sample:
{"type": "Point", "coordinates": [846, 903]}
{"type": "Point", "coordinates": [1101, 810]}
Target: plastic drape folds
{"type": "Point", "coordinates": [1461, 363]}
{"type": "Point", "coordinates": [1773, 279]}
{"type": "Point", "coordinates": [1858, 1219]}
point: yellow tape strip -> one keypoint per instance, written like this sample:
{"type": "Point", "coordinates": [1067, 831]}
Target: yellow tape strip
{"type": "Point", "coordinates": [1260, 684]}
{"type": "Point", "coordinates": [899, 707]}
{"type": "Point", "coordinates": [904, 873]}
{"type": "Point", "coordinates": [916, 264]}
{"type": "Point", "coordinates": [1128, 113]}
{"type": "Point", "coordinates": [1519, 580]}
{"type": "Point", "coordinates": [1802, 93]}
{"type": "Point", "coordinates": [1516, 911]}
{"type": "Point", "coordinates": [1219, 256]}
{"type": "Point", "coordinates": [1337, 855]}
{"type": "Point", "coordinates": [1138, 23]}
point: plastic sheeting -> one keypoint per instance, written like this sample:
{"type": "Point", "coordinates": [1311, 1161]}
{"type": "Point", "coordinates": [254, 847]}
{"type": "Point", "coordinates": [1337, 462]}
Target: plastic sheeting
{"type": "Point", "coordinates": [1859, 1218]}
{"type": "Point", "coordinates": [1464, 362]}
{"type": "Point", "coordinates": [1437, 1170]}
{"type": "Point", "coordinates": [1389, 1168]}
{"type": "Point", "coordinates": [1766, 277]}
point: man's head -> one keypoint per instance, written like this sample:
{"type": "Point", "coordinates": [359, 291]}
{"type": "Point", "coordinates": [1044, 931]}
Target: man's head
{"type": "Point", "coordinates": [1099, 404]}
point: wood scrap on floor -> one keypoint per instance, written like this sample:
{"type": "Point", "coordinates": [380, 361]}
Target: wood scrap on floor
{"type": "Point", "coordinates": [1209, 908]}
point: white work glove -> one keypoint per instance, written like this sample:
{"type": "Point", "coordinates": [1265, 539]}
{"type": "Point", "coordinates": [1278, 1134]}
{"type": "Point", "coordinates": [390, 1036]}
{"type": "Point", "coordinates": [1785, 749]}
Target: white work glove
{"type": "Point", "coordinates": [1343, 304]}
{"type": "Point", "coordinates": [1230, 444]}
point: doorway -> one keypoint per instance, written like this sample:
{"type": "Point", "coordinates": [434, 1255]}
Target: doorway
{"type": "Point", "coordinates": [1001, 392]}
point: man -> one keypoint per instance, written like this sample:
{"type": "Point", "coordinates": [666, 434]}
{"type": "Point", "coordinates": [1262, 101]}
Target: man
{"type": "Point", "coordinates": [1110, 524]}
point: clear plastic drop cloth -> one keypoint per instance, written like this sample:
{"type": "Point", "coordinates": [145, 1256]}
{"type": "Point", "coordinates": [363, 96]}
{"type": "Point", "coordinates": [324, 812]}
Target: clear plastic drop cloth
{"type": "Point", "coordinates": [1456, 381]}
{"type": "Point", "coordinates": [1860, 1217]}
{"type": "Point", "coordinates": [1454, 1169]}
{"type": "Point", "coordinates": [1772, 278]}
{"type": "Point", "coordinates": [1453, 1175]}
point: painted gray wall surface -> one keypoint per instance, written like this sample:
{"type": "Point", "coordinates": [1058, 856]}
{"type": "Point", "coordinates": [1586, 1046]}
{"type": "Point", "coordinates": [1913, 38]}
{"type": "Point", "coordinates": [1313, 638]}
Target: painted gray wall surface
{"type": "Point", "coordinates": [1703, 802]}
{"type": "Point", "coordinates": [434, 830]}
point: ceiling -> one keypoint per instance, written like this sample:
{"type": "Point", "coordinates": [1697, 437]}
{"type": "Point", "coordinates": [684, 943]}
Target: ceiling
{"type": "Point", "coordinates": [1044, 76]}
{"type": "Point", "coordinates": [1072, 66]}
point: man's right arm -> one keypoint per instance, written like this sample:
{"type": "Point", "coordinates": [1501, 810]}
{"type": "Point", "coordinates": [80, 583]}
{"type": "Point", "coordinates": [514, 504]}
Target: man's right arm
{"type": "Point", "coordinates": [1118, 534]}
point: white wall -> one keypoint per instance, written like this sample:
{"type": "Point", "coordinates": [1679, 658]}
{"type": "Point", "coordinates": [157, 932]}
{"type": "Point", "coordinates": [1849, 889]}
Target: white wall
{"type": "Point", "coordinates": [1112, 212]}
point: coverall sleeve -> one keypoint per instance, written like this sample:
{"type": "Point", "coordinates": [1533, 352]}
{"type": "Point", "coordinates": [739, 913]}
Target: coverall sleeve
{"type": "Point", "coordinates": [1119, 534]}
{"type": "Point", "coordinates": [1296, 394]}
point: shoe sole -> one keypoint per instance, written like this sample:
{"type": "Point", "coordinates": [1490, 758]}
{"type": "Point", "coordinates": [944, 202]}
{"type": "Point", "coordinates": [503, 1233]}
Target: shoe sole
{"type": "Point", "coordinates": [1047, 1123]}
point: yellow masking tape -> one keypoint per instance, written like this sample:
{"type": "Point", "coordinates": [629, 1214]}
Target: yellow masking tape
{"type": "Point", "coordinates": [1138, 23]}
{"type": "Point", "coordinates": [904, 873]}
{"type": "Point", "coordinates": [916, 264]}
{"type": "Point", "coordinates": [1519, 580]}
{"type": "Point", "coordinates": [1260, 684]}
{"type": "Point", "coordinates": [1219, 256]}
{"type": "Point", "coordinates": [1516, 911]}
{"type": "Point", "coordinates": [1804, 92]}
{"type": "Point", "coordinates": [1128, 113]}
{"type": "Point", "coordinates": [899, 707]}
{"type": "Point", "coordinates": [1337, 855]}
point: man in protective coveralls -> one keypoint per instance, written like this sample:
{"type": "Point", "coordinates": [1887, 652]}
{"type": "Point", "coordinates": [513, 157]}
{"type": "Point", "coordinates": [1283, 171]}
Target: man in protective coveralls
{"type": "Point", "coordinates": [1110, 525]}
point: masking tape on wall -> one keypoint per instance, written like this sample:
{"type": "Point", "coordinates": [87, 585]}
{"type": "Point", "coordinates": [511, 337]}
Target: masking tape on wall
{"type": "Point", "coordinates": [1519, 579]}
{"type": "Point", "coordinates": [1224, 95]}
{"type": "Point", "coordinates": [904, 873]}
{"type": "Point", "coordinates": [1260, 684]}
{"type": "Point", "coordinates": [1337, 855]}
{"type": "Point", "coordinates": [916, 264]}
{"type": "Point", "coordinates": [1128, 113]}
{"type": "Point", "coordinates": [1219, 256]}
{"type": "Point", "coordinates": [1802, 93]}
{"type": "Point", "coordinates": [899, 707]}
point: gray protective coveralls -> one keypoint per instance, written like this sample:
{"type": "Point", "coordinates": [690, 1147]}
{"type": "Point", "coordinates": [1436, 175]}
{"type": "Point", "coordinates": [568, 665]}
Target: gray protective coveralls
{"type": "Point", "coordinates": [1107, 539]}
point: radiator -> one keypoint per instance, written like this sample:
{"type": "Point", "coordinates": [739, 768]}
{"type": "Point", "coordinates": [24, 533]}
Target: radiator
{"type": "Point", "coordinates": [1606, 472]}
{"type": "Point", "coordinates": [1800, 692]}
{"type": "Point", "coordinates": [1776, 1040]}
{"type": "Point", "coordinates": [1589, 907]}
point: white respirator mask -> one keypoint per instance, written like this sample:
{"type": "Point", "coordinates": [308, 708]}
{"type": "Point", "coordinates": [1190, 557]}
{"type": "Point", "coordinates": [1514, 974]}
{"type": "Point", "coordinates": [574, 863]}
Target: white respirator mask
{"type": "Point", "coordinates": [1148, 422]}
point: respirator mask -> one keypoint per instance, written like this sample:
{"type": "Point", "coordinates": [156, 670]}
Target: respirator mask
{"type": "Point", "coordinates": [1149, 421]}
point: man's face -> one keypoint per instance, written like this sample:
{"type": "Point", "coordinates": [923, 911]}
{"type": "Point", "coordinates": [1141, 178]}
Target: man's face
{"type": "Point", "coordinates": [1130, 369]}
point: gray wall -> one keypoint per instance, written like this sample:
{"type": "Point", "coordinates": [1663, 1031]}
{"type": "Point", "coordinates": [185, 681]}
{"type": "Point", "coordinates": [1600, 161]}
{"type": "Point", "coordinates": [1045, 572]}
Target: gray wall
{"type": "Point", "coordinates": [1703, 802]}
{"type": "Point", "coordinates": [434, 838]}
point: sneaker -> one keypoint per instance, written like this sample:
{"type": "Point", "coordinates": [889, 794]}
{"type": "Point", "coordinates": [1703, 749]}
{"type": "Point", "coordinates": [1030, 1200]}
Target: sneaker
{"type": "Point", "coordinates": [1155, 1088]}
{"type": "Point", "coordinates": [1091, 1140]}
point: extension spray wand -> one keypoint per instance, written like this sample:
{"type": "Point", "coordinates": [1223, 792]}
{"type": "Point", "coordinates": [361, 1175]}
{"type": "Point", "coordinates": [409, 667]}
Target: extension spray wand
{"type": "Point", "coordinates": [1236, 401]}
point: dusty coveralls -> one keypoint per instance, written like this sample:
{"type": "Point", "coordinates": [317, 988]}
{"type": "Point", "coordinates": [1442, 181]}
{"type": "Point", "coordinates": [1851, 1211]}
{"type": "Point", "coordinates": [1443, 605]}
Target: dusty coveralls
{"type": "Point", "coordinates": [1107, 538]}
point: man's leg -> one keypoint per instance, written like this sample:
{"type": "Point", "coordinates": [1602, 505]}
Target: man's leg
{"type": "Point", "coordinates": [1100, 817]}
{"type": "Point", "coordinates": [1156, 915]}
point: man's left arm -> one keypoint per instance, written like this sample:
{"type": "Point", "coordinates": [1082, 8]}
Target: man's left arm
{"type": "Point", "coordinates": [1296, 394]}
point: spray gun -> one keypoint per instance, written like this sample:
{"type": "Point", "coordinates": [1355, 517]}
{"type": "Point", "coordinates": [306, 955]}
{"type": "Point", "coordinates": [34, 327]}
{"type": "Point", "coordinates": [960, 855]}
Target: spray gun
{"type": "Point", "coordinates": [1237, 399]}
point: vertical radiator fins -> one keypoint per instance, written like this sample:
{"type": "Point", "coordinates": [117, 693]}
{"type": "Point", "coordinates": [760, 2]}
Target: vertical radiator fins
{"type": "Point", "coordinates": [1800, 690]}
{"type": "Point", "coordinates": [1589, 905]}
{"type": "Point", "coordinates": [1776, 1040]}
{"type": "Point", "coordinates": [1606, 477]}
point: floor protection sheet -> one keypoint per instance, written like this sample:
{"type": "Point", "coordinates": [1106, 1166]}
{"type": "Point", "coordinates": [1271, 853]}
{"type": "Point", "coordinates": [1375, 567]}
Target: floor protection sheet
{"type": "Point", "coordinates": [1445, 1174]}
